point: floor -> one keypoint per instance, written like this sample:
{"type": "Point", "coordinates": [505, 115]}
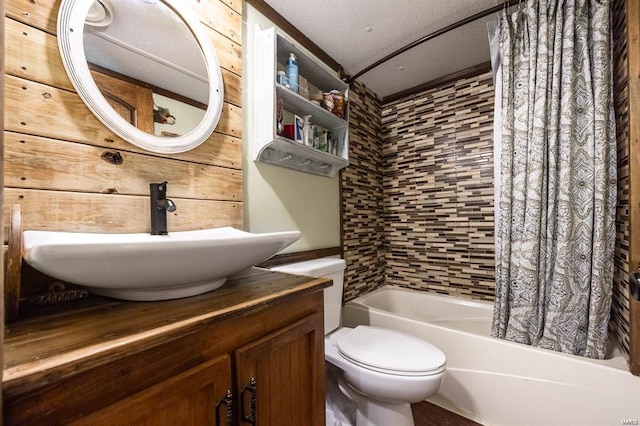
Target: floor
{"type": "Point", "coordinates": [427, 414]}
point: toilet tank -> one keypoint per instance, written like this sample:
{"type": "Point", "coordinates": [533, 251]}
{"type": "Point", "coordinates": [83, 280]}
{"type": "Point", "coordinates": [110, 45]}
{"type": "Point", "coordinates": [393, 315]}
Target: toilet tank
{"type": "Point", "coordinates": [326, 267]}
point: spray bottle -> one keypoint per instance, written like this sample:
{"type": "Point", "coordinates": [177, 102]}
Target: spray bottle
{"type": "Point", "coordinates": [292, 72]}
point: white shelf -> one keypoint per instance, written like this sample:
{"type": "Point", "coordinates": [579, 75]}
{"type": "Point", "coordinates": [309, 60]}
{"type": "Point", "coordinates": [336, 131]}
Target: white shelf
{"type": "Point", "coordinates": [296, 103]}
{"type": "Point", "coordinates": [308, 65]}
{"type": "Point", "coordinates": [273, 47]}
{"type": "Point", "coordinates": [287, 153]}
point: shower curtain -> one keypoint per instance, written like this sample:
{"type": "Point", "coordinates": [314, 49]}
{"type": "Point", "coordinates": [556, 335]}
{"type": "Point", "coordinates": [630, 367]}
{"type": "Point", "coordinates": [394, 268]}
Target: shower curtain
{"type": "Point", "coordinates": [555, 217]}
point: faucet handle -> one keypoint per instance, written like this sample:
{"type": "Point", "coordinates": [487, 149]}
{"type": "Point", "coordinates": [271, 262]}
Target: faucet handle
{"type": "Point", "coordinates": [167, 204]}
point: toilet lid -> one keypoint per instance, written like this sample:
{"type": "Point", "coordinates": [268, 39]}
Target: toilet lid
{"type": "Point", "coordinates": [390, 351]}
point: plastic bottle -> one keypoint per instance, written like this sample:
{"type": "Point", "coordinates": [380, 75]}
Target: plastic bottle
{"type": "Point", "coordinates": [307, 131]}
{"type": "Point", "coordinates": [292, 72]}
{"type": "Point", "coordinates": [282, 79]}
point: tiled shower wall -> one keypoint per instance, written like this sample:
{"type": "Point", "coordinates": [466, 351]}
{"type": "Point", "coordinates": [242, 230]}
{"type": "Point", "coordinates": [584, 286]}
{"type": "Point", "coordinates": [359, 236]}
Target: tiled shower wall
{"type": "Point", "coordinates": [438, 189]}
{"type": "Point", "coordinates": [620, 319]}
{"type": "Point", "coordinates": [362, 229]}
{"type": "Point", "coordinates": [418, 193]}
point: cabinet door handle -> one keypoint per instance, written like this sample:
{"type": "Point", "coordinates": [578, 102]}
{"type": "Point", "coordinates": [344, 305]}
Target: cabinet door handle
{"type": "Point", "coordinates": [251, 417]}
{"type": "Point", "coordinates": [228, 403]}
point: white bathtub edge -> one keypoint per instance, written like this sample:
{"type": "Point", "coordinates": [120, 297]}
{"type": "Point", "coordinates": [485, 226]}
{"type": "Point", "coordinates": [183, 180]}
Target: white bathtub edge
{"type": "Point", "coordinates": [586, 391]}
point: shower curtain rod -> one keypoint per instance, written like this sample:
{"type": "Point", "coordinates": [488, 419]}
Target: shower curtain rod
{"type": "Point", "coordinates": [435, 34]}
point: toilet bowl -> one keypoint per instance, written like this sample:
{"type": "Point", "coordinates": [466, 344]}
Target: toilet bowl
{"type": "Point", "coordinates": [383, 370]}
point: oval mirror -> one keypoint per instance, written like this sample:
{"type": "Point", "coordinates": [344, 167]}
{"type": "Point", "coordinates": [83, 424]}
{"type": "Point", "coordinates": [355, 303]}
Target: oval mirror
{"type": "Point", "coordinates": [145, 68]}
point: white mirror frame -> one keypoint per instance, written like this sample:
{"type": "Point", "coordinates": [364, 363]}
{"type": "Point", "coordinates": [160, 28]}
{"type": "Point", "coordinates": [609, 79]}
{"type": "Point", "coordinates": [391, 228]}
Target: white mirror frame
{"type": "Point", "coordinates": [71, 18]}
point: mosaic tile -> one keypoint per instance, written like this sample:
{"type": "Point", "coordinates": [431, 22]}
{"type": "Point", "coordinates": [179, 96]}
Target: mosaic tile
{"type": "Point", "coordinates": [418, 208]}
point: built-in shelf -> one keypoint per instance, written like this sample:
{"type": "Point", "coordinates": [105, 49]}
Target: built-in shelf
{"type": "Point", "coordinates": [272, 48]}
{"type": "Point", "coordinates": [296, 103]}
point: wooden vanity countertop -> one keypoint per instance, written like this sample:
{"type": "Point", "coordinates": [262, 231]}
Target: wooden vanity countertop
{"type": "Point", "coordinates": [98, 330]}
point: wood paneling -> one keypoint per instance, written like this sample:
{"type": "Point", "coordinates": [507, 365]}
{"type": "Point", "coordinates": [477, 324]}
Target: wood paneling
{"type": "Point", "coordinates": [69, 172]}
{"type": "Point", "coordinates": [47, 111]}
{"type": "Point", "coordinates": [219, 17]}
{"type": "Point", "coordinates": [219, 149]}
{"type": "Point", "coordinates": [41, 14]}
{"type": "Point", "coordinates": [13, 262]}
{"type": "Point", "coordinates": [222, 16]}
{"type": "Point", "coordinates": [36, 162]}
{"type": "Point", "coordinates": [114, 213]}
{"type": "Point", "coordinates": [233, 4]}
{"type": "Point", "coordinates": [26, 46]}
{"type": "Point", "coordinates": [2, 301]}
{"type": "Point", "coordinates": [64, 116]}
{"type": "Point", "coordinates": [228, 52]}
{"type": "Point", "coordinates": [232, 84]}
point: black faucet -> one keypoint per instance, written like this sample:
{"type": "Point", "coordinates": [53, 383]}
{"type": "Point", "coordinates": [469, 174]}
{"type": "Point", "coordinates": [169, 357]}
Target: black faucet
{"type": "Point", "coordinates": [160, 205]}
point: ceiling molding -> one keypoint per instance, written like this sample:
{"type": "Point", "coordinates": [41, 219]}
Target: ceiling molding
{"type": "Point", "coordinates": [465, 73]}
{"type": "Point", "coordinates": [290, 29]}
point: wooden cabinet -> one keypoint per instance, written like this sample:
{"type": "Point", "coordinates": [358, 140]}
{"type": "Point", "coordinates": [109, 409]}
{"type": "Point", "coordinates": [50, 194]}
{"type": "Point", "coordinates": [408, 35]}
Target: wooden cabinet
{"type": "Point", "coordinates": [276, 382]}
{"type": "Point", "coordinates": [260, 357]}
{"type": "Point", "coordinates": [277, 373]}
{"type": "Point", "coordinates": [191, 398]}
{"type": "Point", "coordinates": [272, 101]}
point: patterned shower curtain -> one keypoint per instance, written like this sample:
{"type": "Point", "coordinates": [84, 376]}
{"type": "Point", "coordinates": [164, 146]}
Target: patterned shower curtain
{"type": "Point", "coordinates": [555, 227]}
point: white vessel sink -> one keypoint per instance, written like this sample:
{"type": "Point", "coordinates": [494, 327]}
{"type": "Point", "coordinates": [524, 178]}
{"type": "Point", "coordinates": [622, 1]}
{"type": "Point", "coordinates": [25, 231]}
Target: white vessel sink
{"type": "Point", "coordinates": [150, 267]}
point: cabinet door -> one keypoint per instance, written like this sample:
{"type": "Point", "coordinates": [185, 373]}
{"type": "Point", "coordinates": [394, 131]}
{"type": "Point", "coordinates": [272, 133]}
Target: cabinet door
{"type": "Point", "coordinates": [288, 368]}
{"type": "Point", "coordinates": [189, 398]}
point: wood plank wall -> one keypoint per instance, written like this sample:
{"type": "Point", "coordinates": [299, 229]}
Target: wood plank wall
{"type": "Point", "coordinates": [54, 146]}
{"type": "Point", "coordinates": [1, 191]}
{"type": "Point", "coordinates": [633, 61]}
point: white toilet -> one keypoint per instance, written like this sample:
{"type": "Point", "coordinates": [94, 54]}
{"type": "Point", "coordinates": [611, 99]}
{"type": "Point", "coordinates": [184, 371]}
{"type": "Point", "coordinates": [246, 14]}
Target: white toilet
{"type": "Point", "coordinates": [383, 370]}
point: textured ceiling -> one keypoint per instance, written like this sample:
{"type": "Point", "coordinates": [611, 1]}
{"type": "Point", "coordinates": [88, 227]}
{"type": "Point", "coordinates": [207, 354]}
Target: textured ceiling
{"type": "Point", "coordinates": [148, 42]}
{"type": "Point", "coordinates": [356, 33]}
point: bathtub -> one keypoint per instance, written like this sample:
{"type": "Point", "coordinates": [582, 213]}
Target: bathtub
{"type": "Point", "coordinates": [496, 382]}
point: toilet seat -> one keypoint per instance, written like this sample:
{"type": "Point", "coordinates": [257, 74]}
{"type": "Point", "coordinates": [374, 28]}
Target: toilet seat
{"type": "Point", "coordinates": [390, 352]}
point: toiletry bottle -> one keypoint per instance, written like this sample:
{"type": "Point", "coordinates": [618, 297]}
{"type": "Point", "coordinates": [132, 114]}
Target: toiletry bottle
{"type": "Point", "coordinates": [307, 135]}
{"type": "Point", "coordinates": [316, 136]}
{"type": "Point", "coordinates": [292, 72]}
{"type": "Point", "coordinates": [282, 79]}
{"type": "Point", "coordinates": [279, 116]}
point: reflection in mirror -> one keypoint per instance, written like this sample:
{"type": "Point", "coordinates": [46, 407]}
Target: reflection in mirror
{"type": "Point", "coordinates": [173, 117]}
{"type": "Point", "coordinates": [144, 69]}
